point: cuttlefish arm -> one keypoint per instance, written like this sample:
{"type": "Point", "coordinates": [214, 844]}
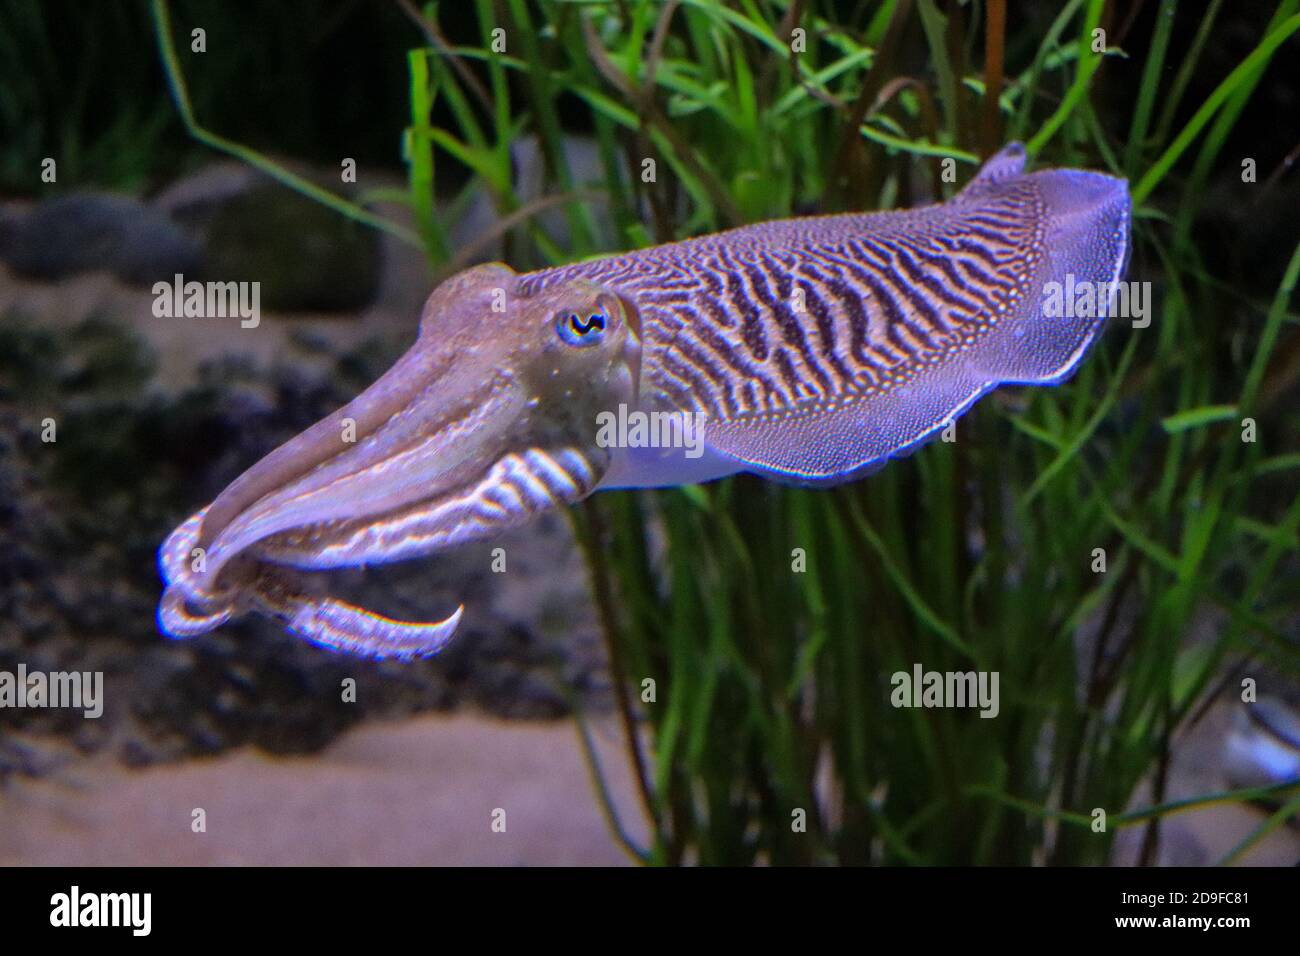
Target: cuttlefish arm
{"type": "Point", "coordinates": [486, 422]}
{"type": "Point", "coordinates": [811, 350]}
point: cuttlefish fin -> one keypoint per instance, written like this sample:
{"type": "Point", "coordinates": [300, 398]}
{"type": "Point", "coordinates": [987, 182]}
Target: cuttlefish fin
{"type": "Point", "coordinates": [827, 444]}
{"type": "Point", "coordinates": [1006, 164]}
{"type": "Point", "coordinates": [1086, 223]}
{"type": "Point", "coordinates": [1055, 226]}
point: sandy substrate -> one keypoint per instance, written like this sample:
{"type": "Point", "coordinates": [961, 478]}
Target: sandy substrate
{"type": "Point", "coordinates": [418, 792]}
{"type": "Point", "coordinates": [424, 791]}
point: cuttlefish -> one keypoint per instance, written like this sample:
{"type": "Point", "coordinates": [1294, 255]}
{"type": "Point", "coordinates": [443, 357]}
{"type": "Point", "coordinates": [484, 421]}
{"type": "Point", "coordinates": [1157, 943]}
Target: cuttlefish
{"type": "Point", "coordinates": [811, 350]}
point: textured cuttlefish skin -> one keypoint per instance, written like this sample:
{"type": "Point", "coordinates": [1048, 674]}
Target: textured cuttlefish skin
{"type": "Point", "coordinates": [815, 349]}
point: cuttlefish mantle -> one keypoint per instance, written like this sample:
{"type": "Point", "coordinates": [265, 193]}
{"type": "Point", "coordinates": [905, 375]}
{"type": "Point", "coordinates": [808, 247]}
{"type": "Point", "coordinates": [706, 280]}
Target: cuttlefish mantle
{"type": "Point", "coordinates": [809, 350]}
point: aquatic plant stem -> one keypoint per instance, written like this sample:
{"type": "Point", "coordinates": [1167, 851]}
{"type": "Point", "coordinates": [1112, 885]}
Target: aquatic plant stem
{"type": "Point", "coordinates": [591, 532]}
{"type": "Point", "coordinates": [994, 38]}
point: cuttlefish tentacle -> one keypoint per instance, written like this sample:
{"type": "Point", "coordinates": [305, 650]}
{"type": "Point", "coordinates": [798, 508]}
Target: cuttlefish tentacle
{"type": "Point", "coordinates": [517, 487]}
{"type": "Point", "coordinates": [330, 622]}
{"type": "Point", "coordinates": [274, 592]}
{"type": "Point", "coordinates": [459, 440]}
{"type": "Point", "coordinates": [811, 350]}
{"type": "Point", "coordinates": [177, 619]}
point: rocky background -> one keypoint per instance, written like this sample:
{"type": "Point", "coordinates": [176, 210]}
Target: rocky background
{"type": "Point", "coordinates": [154, 417]}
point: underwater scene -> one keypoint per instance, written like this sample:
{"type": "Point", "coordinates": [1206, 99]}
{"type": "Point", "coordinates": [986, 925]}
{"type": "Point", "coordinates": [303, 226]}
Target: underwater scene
{"type": "Point", "coordinates": [595, 433]}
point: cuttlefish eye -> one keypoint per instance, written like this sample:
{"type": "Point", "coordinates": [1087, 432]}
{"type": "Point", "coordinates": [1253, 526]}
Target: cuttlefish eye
{"type": "Point", "coordinates": [581, 330]}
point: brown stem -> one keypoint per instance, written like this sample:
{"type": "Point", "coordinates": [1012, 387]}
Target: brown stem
{"type": "Point", "coordinates": [994, 37]}
{"type": "Point", "coordinates": [465, 255]}
{"type": "Point", "coordinates": [851, 139]}
{"type": "Point", "coordinates": [784, 31]}
{"type": "Point", "coordinates": [652, 116]}
{"type": "Point", "coordinates": [591, 534]}
{"type": "Point", "coordinates": [1151, 838]}
{"type": "Point", "coordinates": [439, 43]}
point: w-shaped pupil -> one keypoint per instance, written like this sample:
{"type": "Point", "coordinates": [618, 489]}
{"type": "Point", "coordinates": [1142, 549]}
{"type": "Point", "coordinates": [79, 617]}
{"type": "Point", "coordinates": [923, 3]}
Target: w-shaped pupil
{"type": "Point", "coordinates": [594, 321]}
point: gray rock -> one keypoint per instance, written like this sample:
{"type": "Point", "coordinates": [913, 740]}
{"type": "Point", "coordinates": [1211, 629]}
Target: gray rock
{"type": "Point", "coordinates": [306, 256]}
{"type": "Point", "coordinates": [95, 231]}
